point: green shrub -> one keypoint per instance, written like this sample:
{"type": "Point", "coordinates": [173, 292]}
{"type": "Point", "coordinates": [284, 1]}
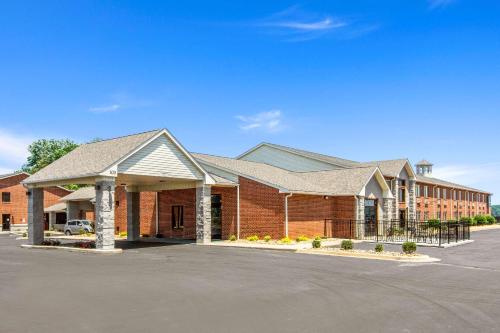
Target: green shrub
{"type": "Point", "coordinates": [301, 239]}
{"type": "Point", "coordinates": [232, 238]}
{"type": "Point", "coordinates": [490, 219]}
{"type": "Point", "coordinates": [253, 238]}
{"type": "Point", "coordinates": [285, 240]}
{"type": "Point", "coordinates": [319, 238]}
{"type": "Point", "coordinates": [480, 219]}
{"type": "Point", "coordinates": [81, 231]}
{"type": "Point", "coordinates": [123, 234]}
{"type": "Point", "coordinates": [316, 243]}
{"type": "Point", "coordinates": [409, 247]}
{"type": "Point", "coordinates": [379, 248]}
{"type": "Point", "coordinates": [346, 244]}
{"type": "Point", "coordinates": [433, 223]}
{"type": "Point", "coordinates": [466, 219]}
{"type": "Point", "coordinates": [267, 238]}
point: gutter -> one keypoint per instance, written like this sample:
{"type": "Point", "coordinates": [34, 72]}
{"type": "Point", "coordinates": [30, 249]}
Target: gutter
{"type": "Point", "coordinates": [286, 213]}
{"type": "Point", "coordinates": [238, 211]}
{"type": "Point", "coordinates": [156, 213]}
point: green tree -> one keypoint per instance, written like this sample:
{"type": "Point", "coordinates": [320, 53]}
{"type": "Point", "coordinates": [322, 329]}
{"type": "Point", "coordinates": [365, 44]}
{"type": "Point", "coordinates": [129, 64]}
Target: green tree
{"type": "Point", "coordinates": [45, 151]}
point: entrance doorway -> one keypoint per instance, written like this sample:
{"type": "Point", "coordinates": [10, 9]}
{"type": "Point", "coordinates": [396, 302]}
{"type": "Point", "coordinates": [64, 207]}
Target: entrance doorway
{"type": "Point", "coordinates": [216, 216]}
{"type": "Point", "coordinates": [5, 222]}
{"type": "Point", "coordinates": [370, 217]}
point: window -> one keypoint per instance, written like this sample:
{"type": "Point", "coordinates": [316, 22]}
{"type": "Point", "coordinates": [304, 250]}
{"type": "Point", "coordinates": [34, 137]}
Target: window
{"type": "Point", "coordinates": [177, 217]}
{"type": "Point", "coordinates": [426, 191]}
{"type": "Point", "coordinates": [5, 196]}
{"type": "Point", "coordinates": [454, 195]}
{"type": "Point", "coordinates": [417, 190]}
{"type": "Point", "coordinates": [402, 195]}
{"type": "Point", "coordinates": [418, 216]}
{"type": "Point", "coordinates": [438, 193]}
{"type": "Point", "coordinates": [444, 193]}
{"type": "Point", "coordinates": [460, 195]}
{"type": "Point", "coordinates": [426, 216]}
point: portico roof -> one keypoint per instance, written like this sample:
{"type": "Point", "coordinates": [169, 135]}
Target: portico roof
{"type": "Point", "coordinates": [102, 158]}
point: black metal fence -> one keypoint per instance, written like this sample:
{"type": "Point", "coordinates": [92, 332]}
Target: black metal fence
{"type": "Point", "coordinates": [430, 232]}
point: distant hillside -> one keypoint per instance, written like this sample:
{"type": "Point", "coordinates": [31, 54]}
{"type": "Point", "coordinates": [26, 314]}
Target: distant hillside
{"type": "Point", "coordinates": [495, 210]}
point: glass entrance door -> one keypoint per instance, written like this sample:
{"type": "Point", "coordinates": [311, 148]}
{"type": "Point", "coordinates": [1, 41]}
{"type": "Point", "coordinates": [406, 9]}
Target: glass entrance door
{"type": "Point", "coordinates": [370, 217]}
{"type": "Point", "coordinates": [216, 216]}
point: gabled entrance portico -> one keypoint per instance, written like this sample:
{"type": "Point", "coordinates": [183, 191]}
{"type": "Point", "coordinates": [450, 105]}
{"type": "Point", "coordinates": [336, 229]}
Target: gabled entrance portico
{"type": "Point", "coordinates": [152, 161]}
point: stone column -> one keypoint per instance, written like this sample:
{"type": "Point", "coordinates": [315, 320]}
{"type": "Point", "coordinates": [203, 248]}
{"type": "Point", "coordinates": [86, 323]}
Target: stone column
{"type": "Point", "coordinates": [105, 213]}
{"type": "Point", "coordinates": [72, 210]}
{"type": "Point", "coordinates": [203, 214]}
{"type": "Point", "coordinates": [395, 193]}
{"type": "Point", "coordinates": [133, 221]}
{"type": "Point", "coordinates": [412, 200]}
{"type": "Point", "coordinates": [35, 216]}
{"type": "Point", "coordinates": [360, 217]}
{"type": "Point", "coordinates": [52, 220]}
{"type": "Point", "coordinates": [388, 209]}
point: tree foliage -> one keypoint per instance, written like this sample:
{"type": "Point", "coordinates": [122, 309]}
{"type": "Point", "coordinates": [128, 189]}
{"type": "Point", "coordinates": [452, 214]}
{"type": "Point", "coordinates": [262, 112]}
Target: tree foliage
{"type": "Point", "coordinates": [495, 210]}
{"type": "Point", "coordinates": [45, 151]}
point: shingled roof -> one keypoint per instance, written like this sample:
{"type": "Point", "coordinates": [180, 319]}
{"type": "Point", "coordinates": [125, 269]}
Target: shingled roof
{"type": "Point", "coordinates": [339, 182]}
{"type": "Point", "coordinates": [91, 159]}
{"type": "Point", "coordinates": [390, 168]}
{"type": "Point", "coordinates": [436, 181]}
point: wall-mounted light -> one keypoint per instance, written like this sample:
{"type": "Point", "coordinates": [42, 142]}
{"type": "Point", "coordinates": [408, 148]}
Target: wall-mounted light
{"type": "Point", "coordinates": [326, 197]}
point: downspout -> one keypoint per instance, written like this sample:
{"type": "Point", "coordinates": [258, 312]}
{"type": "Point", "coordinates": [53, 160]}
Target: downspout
{"type": "Point", "coordinates": [286, 213]}
{"type": "Point", "coordinates": [238, 211]}
{"type": "Point", "coordinates": [156, 212]}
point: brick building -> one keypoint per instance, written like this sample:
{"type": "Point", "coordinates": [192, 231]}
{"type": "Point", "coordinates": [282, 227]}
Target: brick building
{"type": "Point", "coordinates": [148, 183]}
{"type": "Point", "coordinates": [14, 202]}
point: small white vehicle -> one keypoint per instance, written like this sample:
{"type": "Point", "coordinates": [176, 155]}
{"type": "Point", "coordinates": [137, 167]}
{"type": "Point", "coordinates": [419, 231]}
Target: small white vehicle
{"type": "Point", "coordinates": [75, 227]}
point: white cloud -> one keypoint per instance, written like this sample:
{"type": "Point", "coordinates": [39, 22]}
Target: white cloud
{"type": "Point", "coordinates": [324, 24]}
{"type": "Point", "coordinates": [296, 25]}
{"type": "Point", "coordinates": [104, 109]}
{"type": "Point", "coordinates": [13, 150]}
{"type": "Point", "coordinates": [269, 121]}
{"type": "Point", "coordinates": [433, 4]}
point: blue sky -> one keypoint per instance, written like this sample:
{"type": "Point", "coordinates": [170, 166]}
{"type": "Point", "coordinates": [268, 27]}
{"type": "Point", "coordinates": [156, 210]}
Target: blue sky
{"type": "Point", "coordinates": [363, 80]}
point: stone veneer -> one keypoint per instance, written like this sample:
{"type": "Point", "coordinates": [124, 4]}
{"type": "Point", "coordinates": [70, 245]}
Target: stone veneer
{"type": "Point", "coordinates": [105, 213]}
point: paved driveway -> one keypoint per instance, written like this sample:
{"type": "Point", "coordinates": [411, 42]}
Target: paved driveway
{"type": "Point", "coordinates": [189, 288]}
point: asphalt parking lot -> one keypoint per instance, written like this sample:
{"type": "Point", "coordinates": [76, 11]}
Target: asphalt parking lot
{"type": "Point", "coordinates": [189, 288]}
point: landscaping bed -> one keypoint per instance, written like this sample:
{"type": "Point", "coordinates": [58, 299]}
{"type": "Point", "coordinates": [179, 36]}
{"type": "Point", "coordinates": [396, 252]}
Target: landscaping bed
{"type": "Point", "coordinates": [370, 254]}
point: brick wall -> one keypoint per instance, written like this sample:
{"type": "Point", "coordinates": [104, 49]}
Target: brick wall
{"type": "Point", "coordinates": [450, 209]}
{"type": "Point", "coordinates": [312, 215]}
{"type": "Point", "coordinates": [18, 206]}
{"type": "Point", "coordinates": [262, 210]}
{"type": "Point", "coordinates": [147, 212]}
{"type": "Point", "coordinates": [185, 198]}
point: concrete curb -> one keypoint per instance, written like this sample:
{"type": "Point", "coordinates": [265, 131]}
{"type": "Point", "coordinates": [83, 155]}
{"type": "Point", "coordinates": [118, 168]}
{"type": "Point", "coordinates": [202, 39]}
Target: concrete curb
{"type": "Point", "coordinates": [420, 259]}
{"type": "Point", "coordinates": [71, 249]}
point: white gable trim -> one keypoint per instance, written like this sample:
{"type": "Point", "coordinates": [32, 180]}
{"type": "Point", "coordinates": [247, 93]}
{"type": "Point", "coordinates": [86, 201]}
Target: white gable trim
{"type": "Point", "coordinates": [112, 169]}
{"type": "Point", "coordinates": [381, 181]}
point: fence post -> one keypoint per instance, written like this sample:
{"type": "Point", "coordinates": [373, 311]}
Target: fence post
{"type": "Point", "coordinates": [350, 229]}
{"type": "Point", "coordinates": [448, 227]}
{"type": "Point", "coordinates": [440, 234]}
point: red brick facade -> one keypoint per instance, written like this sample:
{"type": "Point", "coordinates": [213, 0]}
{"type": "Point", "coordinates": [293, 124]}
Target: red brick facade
{"type": "Point", "coordinates": [446, 203]}
{"type": "Point", "coordinates": [262, 212]}
{"type": "Point", "coordinates": [17, 208]}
